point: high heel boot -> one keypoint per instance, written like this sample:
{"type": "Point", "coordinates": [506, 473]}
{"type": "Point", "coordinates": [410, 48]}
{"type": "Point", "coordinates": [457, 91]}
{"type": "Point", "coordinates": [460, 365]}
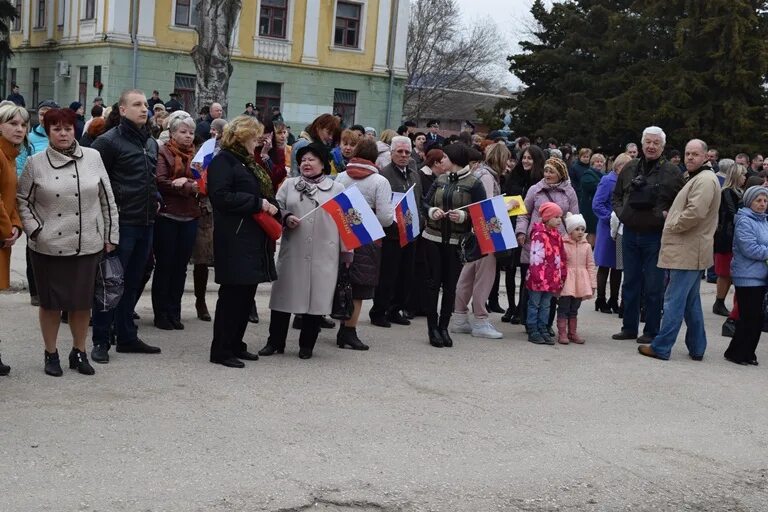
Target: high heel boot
{"type": "Point", "coordinates": [200, 278]}
{"type": "Point", "coordinates": [78, 359]}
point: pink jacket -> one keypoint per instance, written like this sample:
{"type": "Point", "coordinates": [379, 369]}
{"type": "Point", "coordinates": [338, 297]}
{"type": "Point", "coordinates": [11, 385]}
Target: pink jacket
{"type": "Point", "coordinates": [547, 271]}
{"type": "Point", "coordinates": [582, 274]}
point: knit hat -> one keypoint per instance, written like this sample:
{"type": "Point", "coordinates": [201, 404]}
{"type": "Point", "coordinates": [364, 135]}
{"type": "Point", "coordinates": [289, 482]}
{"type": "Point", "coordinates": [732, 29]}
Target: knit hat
{"type": "Point", "coordinates": [47, 104]}
{"type": "Point", "coordinates": [549, 211]}
{"type": "Point", "coordinates": [574, 221]}
{"type": "Point", "coordinates": [457, 153]}
{"type": "Point", "coordinates": [558, 166]}
{"type": "Point", "coordinates": [752, 193]}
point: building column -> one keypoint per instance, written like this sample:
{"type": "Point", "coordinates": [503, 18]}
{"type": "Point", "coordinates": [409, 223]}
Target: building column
{"type": "Point", "coordinates": [100, 20]}
{"type": "Point", "coordinates": [74, 19]}
{"type": "Point", "coordinates": [50, 20]}
{"type": "Point", "coordinates": [146, 32]}
{"type": "Point", "coordinates": [311, 32]}
{"type": "Point", "coordinates": [401, 37]}
{"type": "Point", "coordinates": [26, 10]}
{"type": "Point", "coordinates": [234, 42]}
{"type": "Point", "coordinates": [119, 21]}
{"type": "Point", "coordinates": [382, 36]}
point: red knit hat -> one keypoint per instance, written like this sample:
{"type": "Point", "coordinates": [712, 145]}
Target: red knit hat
{"type": "Point", "coordinates": [549, 210]}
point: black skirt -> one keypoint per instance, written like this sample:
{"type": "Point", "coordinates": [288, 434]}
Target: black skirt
{"type": "Point", "coordinates": [65, 283]}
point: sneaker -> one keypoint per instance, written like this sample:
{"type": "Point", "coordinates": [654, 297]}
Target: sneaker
{"type": "Point", "coordinates": [485, 329]}
{"type": "Point", "coordinates": [548, 339]}
{"type": "Point", "coordinates": [536, 338]}
{"type": "Point", "coordinates": [460, 324]}
{"type": "Point", "coordinates": [100, 353]}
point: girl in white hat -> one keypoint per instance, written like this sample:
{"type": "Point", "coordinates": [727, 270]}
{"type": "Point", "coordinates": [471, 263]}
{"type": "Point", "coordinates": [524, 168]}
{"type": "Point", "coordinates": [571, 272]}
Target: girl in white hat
{"type": "Point", "coordinates": [580, 282]}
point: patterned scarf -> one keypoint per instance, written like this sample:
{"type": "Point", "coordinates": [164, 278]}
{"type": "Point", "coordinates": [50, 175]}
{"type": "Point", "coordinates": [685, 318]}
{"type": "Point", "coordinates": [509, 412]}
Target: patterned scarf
{"type": "Point", "coordinates": [70, 151]}
{"type": "Point", "coordinates": [265, 182]}
{"type": "Point", "coordinates": [181, 159]}
{"type": "Point", "coordinates": [307, 186]}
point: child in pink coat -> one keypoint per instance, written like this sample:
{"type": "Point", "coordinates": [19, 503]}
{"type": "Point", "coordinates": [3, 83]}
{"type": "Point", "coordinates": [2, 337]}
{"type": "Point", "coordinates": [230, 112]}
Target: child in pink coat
{"type": "Point", "coordinates": [581, 281]}
{"type": "Point", "coordinates": [546, 273]}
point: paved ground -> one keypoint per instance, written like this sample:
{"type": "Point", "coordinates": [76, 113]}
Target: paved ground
{"type": "Point", "coordinates": [487, 425]}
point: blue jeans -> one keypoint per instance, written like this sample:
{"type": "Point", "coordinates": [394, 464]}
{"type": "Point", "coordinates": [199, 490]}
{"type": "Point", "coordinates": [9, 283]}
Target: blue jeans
{"type": "Point", "coordinates": [538, 311]}
{"type": "Point", "coordinates": [682, 301]}
{"type": "Point", "coordinates": [174, 242]}
{"type": "Point", "coordinates": [641, 254]}
{"type": "Point", "coordinates": [133, 251]}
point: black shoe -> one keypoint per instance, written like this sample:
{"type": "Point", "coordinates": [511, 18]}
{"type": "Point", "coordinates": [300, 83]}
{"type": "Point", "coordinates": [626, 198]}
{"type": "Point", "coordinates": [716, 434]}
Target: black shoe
{"type": "Point", "coordinates": [52, 364]}
{"type": "Point", "coordinates": [435, 337]}
{"type": "Point", "coordinates": [380, 321]}
{"type": "Point", "coordinates": [347, 336]}
{"type": "Point", "coordinates": [164, 323]}
{"type": "Point", "coordinates": [326, 323]}
{"type": "Point", "coordinates": [624, 335]}
{"type": "Point", "coordinates": [137, 347]}
{"type": "Point", "coordinates": [230, 362]}
{"type": "Point", "coordinates": [270, 349]}
{"type": "Point", "coordinates": [253, 317]}
{"type": "Point", "coordinates": [100, 354]}
{"type": "Point", "coordinates": [645, 338]}
{"type": "Point", "coordinates": [494, 307]}
{"type": "Point", "coordinates": [4, 368]}
{"type": "Point", "coordinates": [507, 317]}
{"type": "Point", "coordinates": [696, 358]}
{"type": "Point", "coordinates": [248, 356]}
{"type": "Point", "coordinates": [719, 308]}
{"type": "Point", "coordinates": [753, 362]}
{"type": "Point", "coordinates": [729, 328]}
{"type": "Point", "coordinates": [397, 317]}
{"type": "Point", "coordinates": [79, 360]}
{"type": "Point", "coordinates": [305, 354]}
{"type": "Point", "coordinates": [743, 363]}
{"type": "Point", "coordinates": [135, 316]}
{"type": "Point", "coordinates": [408, 314]}
{"type": "Point", "coordinates": [296, 322]}
{"type": "Point", "coordinates": [614, 305]}
{"type": "Point", "coordinates": [515, 320]}
{"type": "Point", "coordinates": [177, 324]}
{"type": "Point", "coordinates": [602, 306]}
{"type": "Point", "coordinates": [447, 341]}
{"type": "Point", "coordinates": [548, 339]}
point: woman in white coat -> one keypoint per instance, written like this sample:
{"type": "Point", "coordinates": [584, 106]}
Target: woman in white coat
{"type": "Point", "coordinates": [309, 253]}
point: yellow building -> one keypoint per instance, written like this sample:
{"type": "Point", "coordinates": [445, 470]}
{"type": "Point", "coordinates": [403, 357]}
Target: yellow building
{"type": "Point", "coordinates": [306, 56]}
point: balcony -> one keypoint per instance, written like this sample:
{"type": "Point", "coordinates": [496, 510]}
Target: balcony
{"type": "Point", "coordinates": [272, 49]}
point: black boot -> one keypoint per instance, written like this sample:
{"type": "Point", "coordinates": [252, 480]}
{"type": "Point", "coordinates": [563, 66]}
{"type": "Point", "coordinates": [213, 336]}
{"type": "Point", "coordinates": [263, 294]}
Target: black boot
{"type": "Point", "coordinates": [78, 359]}
{"type": "Point", "coordinates": [447, 341]}
{"type": "Point", "coordinates": [347, 336]}
{"type": "Point", "coordinates": [52, 364]}
{"type": "Point", "coordinates": [4, 368]}
{"type": "Point", "coordinates": [509, 314]}
{"type": "Point", "coordinates": [493, 306]}
{"type": "Point", "coordinates": [435, 337]}
{"type": "Point", "coordinates": [254, 316]}
{"type": "Point", "coordinates": [719, 308]}
{"type": "Point", "coordinates": [326, 323]}
{"type": "Point", "coordinates": [614, 305]}
{"type": "Point", "coordinates": [602, 306]}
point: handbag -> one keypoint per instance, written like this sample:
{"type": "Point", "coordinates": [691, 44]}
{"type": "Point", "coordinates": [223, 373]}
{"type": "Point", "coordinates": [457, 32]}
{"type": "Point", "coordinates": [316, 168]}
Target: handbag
{"type": "Point", "coordinates": [342, 296]}
{"type": "Point", "coordinates": [469, 249]}
{"type": "Point", "coordinates": [109, 283]}
{"type": "Point", "coordinates": [269, 225]}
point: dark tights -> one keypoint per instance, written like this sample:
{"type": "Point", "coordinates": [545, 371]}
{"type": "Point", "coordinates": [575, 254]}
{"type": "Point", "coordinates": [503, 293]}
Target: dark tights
{"type": "Point", "coordinates": [602, 280]}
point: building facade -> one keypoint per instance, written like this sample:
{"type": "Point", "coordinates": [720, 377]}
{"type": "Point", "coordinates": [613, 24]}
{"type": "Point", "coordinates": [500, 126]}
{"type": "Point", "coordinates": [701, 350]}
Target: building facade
{"type": "Point", "coordinates": [307, 56]}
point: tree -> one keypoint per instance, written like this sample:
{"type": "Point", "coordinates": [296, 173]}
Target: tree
{"type": "Point", "coordinates": [212, 53]}
{"type": "Point", "coordinates": [442, 55]}
{"type": "Point", "coordinates": [694, 68]}
{"type": "Point", "coordinates": [8, 13]}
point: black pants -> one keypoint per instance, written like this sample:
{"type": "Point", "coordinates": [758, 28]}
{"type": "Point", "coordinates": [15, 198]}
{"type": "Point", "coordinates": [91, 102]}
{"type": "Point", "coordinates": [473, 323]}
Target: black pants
{"type": "Point", "coordinates": [395, 275]}
{"type": "Point", "coordinates": [603, 273]}
{"type": "Point", "coordinates": [749, 325]}
{"type": "Point", "coordinates": [418, 296]}
{"type": "Point", "coordinates": [278, 330]}
{"type": "Point", "coordinates": [493, 297]}
{"type": "Point", "coordinates": [443, 271]}
{"type": "Point", "coordinates": [509, 281]}
{"type": "Point", "coordinates": [30, 274]}
{"type": "Point", "coordinates": [568, 307]}
{"type": "Point", "coordinates": [231, 320]}
{"type": "Point", "coordinates": [173, 244]}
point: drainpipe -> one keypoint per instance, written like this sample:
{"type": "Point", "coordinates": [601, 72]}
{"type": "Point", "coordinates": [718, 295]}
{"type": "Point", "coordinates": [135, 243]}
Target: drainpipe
{"type": "Point", "coordinates": [391, 59]}
{"type": "Point", "coordinates": [134, 38]}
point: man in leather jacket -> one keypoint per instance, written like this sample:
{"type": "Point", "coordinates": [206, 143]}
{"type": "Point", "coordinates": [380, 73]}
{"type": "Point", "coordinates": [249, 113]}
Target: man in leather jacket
{"type": "Point", "coordinates": [129, 154]}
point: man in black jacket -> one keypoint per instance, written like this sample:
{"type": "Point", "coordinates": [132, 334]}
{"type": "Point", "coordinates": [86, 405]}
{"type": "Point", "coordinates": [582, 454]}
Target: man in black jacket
{"type": "Point", "coordinates": [129, 154]}
{"type": "Point", "coordinates": [644, 192]}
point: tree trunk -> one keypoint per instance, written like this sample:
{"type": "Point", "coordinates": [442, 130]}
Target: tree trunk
{"type": "Point", "coordinates": [212, 53]}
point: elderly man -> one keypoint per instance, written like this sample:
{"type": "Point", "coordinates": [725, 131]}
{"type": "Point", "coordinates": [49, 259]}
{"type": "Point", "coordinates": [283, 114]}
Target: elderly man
{"type": "Point", "coordinates": [644, 192]}
{"type": "Point", "coordinates": [686, 250]}
{"type": "Point", "coordinates": [203, 130]}
{"type": "Point", "coordinates": [397, 262]}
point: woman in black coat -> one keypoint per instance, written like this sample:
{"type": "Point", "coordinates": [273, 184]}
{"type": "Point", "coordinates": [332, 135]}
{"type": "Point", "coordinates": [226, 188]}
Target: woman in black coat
{"type": "Point", "coordinates": [243, 254]}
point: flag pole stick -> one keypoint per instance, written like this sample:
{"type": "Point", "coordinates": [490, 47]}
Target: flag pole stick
{"type": "Point", "coordinates": [476, 202]}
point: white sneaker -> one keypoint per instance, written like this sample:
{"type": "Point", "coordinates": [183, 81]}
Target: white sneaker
{"type": "Point", "coordinates": [485, 329]}
{"type": "Point", "coordinates": [460, 324]}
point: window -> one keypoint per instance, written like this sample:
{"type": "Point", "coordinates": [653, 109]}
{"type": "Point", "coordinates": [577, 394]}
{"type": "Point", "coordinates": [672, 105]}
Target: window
{"type": "Point", "coordinates": [272, 20]}
{"type": "Point", "coordinates": [82, 87]}
{"type": "Point", "coordinates": [347, 32]}
{"type": "Point", "coordinates": [40, 21]}
{"type": "Point", "coordinates": [186, 13]}
{"type": "Point", "coordinates": [267, 96]}
{"type": "Point", "coordinates": [185, 86]}
{"type": "Point", "coordinates": [344, 103]}
{"type": "Point", "coordinates": [35, 86]}
{"type": "Point", "coordinates": [90, 10]}
{"type": "Point", "coordinates": [17, 19]}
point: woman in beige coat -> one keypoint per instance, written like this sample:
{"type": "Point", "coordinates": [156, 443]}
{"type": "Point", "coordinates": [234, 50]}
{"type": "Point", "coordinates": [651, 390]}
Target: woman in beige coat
{"type": "Point", "coordinates": [309, 253]}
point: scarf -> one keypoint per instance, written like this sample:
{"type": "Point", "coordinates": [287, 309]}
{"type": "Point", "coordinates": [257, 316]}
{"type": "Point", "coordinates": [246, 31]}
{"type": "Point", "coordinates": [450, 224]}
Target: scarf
{"type": "Point", "coordinates": [307, 186]}
{"type": "Point", "coordinates": [359, 168]}
{"type": "Point", "coordinates": [265, 182]}
{"type": "Point", "coordinates": [70, 151]}
{"type": "Point", "coordinates": [181, 159]}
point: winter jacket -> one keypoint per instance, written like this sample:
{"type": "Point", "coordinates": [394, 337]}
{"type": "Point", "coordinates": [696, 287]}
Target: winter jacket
{"type": "Point", "coordinates": [79, 127]}
{"type": "Point", "coordinates": [605, 245]}
{"type": "Point", "coordinates": [581, 278]}
{"type": "Point", "coordinates": [130, 158]}
{"type": "Point", "coordinates": [662, 182]}
{"type": "Point", "coordinates": [9, 214]}
{"type": "Point", "coordinates": [547, 271]}
{"type": "Point", "coordinates": [689, 230]}
{"type": "Point", "coordinates": [561, 193]}
{"type": "Point", "coordinates": [401, 183]}
{"type": "Point", "coordinates": [589, 182]}
{"type": "Point", "coordinates": [385, 154]}
{"type": "Point", "coordinates": [338, 162]}
{"type": "Point", "coordinates": [730, 202]}
{"type": "Point", "coordinates": [450, 191]}
{"type": "Point", "coordinates": [304, 140]}
{"type": "Point", "coordinates": [575, 173]}
{"type": "Point", "coordinates": [179, 202]}
{"type": "Point", "coordinates": [749, 266]}
{"type": "Point", "coordinates": [38, 141]}
{"type": "Point", "coordinates": [66, 203]}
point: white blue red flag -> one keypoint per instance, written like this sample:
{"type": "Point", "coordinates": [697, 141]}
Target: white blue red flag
{"type": "Point", "coordinates": [205, 154]}
{"type": "Point", "coordinates": [355, 220]}
{"type": "Point", "coordinates": [407, 218]}
{"type": "Point", "coordinates": [492, 226]}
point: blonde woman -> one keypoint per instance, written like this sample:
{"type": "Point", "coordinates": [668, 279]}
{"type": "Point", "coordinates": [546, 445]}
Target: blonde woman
{"type": "Point", "coordinates": [589, 182]}
{"type": "Point", "coordinates": [383, 145]}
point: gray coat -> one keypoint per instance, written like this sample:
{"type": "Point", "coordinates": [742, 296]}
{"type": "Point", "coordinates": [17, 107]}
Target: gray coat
{"type": "Point", "coordinates": [309, 254]}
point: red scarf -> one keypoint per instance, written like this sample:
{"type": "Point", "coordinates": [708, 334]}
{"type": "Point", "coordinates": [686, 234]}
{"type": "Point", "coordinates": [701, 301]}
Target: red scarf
{"type": "Point", "coordinates": [359, 168]}
{"type": "Point", "coordinates": [181, 159]}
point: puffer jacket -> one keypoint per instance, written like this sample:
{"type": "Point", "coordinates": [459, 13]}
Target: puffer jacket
{"type": "Point", "coordinates": [130, 158]}
{"type": "Point", "coordinates": [451, 191]}
{"type": "Point", "coordinates": [749, 266]}
{"type": "Point", "coordinates": [561, 193]}
{"type": "Point", "coordinates": [730, 203]}
{"type": "Point", "coordinates": [548, 271]}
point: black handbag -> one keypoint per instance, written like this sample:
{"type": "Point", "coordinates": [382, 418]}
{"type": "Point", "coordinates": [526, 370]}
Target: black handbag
{"type": "Point", "coordinates": [342, 296]}
{"type": "Point", "coordinates": [469, 249]}
{"type": "Point", "coordinates": [109, 283]}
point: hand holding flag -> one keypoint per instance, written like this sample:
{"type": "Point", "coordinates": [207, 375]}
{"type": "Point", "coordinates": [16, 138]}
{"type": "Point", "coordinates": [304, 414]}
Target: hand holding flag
{"type": "Point", "coordinates": [356, 222]}
{"type": "Point", "coordinates": [407, 218]}
{"type": "Point", "coordinates": [492, 226]}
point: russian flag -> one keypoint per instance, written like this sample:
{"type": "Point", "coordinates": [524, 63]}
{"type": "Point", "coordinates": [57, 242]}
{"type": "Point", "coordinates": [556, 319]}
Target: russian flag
{"type": "Point", "coordinates": [407, 218]}
{"type": "Point", "coordinates": [356, 222]}
{"type": "Point", "coordinates": [204, 155]}
{"type": "Point", "coordinates": [492, 226]}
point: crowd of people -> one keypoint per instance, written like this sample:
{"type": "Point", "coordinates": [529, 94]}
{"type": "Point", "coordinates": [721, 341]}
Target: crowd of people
{"type": "Point", "coordinates": [126, 184]}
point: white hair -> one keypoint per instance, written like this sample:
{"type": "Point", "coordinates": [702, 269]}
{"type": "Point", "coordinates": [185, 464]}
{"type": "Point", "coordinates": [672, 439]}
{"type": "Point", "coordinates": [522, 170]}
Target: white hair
{"type": "Point", "coordinates": [399, 139]}
{"type": "Point", "coordinates": [630, 145]}
{"type": "Point", "coordinates": [177, 118]}
{"type": "Point", "coordinates": [655, 130]}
